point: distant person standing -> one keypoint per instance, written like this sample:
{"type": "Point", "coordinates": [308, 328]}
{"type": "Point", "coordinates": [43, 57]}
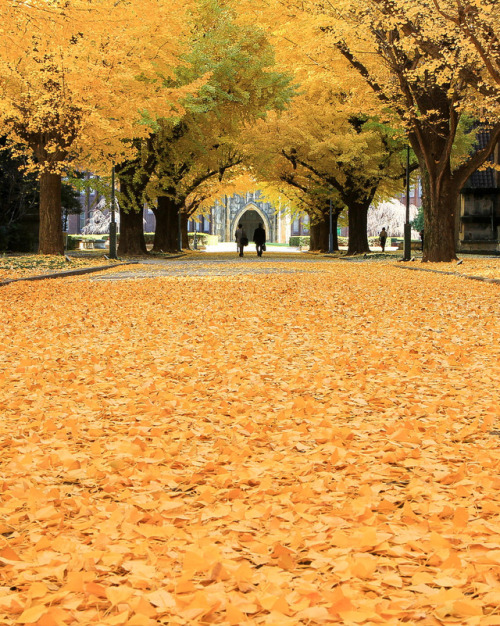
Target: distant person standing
{"type": "Point", "coordinates": [383, 238]}
{"type": "Point", "coordinates": [259, 237]}
{"type": "Point", "coordinates": [422, 238]}
{"type": "Point", "coordinates": [241, 238]}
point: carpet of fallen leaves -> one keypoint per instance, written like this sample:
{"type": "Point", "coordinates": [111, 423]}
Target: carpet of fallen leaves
{"type": "Point", "coordinates": [21, 266]}
{"type": "Point", "coordinates": [278, 449]}
{"type": "Point", "coordinates": [486, 268]}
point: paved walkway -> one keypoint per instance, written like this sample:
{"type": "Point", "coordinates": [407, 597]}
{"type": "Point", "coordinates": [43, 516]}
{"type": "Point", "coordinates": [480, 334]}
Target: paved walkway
{"type": "Point", "coordinates": [226, 264]}
{"type": "Point", "coordinates": [228, 246]}
{"type": "Point", "coordinates": [208, 265]}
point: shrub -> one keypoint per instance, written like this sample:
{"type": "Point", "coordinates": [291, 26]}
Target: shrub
{"type": "Point", "coordinates": [298, 241]}
{"type": "Point", "coordinates": [72, 243]}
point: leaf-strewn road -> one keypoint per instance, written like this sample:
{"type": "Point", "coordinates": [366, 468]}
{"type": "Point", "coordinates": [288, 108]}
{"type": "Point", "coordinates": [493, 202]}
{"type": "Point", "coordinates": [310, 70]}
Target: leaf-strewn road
{"type": "Point", "coordinates": [313, 445]}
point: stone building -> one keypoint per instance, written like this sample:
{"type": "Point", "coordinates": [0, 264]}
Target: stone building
{"type": "Point", "coordinates": [249, 209]}
{"type": "Point", "coordinates": [222, 219]}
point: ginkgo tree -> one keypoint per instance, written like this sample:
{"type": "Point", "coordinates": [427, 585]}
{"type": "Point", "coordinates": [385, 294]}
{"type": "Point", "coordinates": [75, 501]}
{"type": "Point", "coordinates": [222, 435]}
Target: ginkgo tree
{"type": "Point", "coordinates": [326, 149]}
{"type": "Point", "coordinates": [419, 66]}
{"type": "Point", "coordinates": [75, 78]}
{"type": "Point", "coordinates": [187, 150]}
{"type": "Point", "coordinates": [273, 162]}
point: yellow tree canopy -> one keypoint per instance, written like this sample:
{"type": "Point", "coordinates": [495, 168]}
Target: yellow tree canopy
{"type": "Point", "coordinates": [478, 22]}
{"type": "Point", "coordinates": [324, 148]}
{"type": "Point", "coordinates": [423, 70]}
{"type": "Point", "coordinates": [75, 76]}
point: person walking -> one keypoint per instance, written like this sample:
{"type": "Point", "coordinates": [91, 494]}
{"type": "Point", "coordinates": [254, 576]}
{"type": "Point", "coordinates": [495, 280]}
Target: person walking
{"type": "Point", "coordinates": [259, 237]}
{"type": "Point", "coordinates": [241, 238]}
{"type": "Point", "coordinates": [383, 238]}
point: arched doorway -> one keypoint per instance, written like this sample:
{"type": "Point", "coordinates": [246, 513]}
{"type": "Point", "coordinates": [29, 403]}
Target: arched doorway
{"type": "Point", "coordinates": [250, 219]}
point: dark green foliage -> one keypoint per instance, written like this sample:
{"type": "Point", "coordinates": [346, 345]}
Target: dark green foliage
{"type": "Point", "coordinates": [70, 201]}
{"type": "Point", "coordinates": [418, 222]}
{"type": "Point", "coordinates": [19, 200]}
{"type": "Point", "coordinates": [297, 240]}
{"type": "Point", "coordinates": [19, 203]}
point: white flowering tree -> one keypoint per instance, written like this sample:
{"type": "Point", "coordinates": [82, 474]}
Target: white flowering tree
{"type": "Point", "coordinates": [100, 219]}
{"type": "Point", "coordinates": [390, 214]}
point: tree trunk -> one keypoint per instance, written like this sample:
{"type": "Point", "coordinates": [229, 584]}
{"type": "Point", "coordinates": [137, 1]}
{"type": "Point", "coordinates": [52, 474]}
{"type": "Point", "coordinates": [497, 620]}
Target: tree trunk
{"type": "Point", "coordinates": [318, 237]}
{"type": "Point", "coordinates": [184, 230]}
{"type": "Point", "coordinates": [167, 225]}
{"type": "Point", "coordinates": [50, 233]}
{"type": "Point", "coordinates": [132, 240]}
{"type": "Point", "coordinates": [358, 223]}
{"type": "Point", "coordinates": [440, 205]}
{"type": "Point", "coordinates": [320, 230]}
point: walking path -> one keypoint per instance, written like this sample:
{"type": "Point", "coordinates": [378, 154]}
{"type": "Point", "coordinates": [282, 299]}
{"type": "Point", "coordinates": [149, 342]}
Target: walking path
{"type": "Point", "coordinates": [213, 265]}
{"type": "Point", "coordinates": [281, 260]}
{"type": "Point", "coordinates": [228, 246]}
{"type": "Point", "coordinates": [216, 266]}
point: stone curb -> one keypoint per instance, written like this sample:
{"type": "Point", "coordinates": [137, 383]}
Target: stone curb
{"type": "Point", "coordinates": [494, 281]}
{"type": "Point", "coordinates": [147, 260]}
{"type": "Point", "coordinates": [77, 272]}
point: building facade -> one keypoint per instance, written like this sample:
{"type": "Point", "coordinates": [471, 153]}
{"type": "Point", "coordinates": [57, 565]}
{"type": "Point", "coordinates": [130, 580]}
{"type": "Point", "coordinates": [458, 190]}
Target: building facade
{"type": "Point", "coordinates": [248, 209]}
{"type": "Point", "coordinates": [478, 227]}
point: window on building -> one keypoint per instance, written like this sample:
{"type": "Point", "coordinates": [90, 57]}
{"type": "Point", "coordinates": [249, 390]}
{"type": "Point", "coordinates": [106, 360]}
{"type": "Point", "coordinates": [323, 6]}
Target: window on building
{"type": "Point", "coordinates": [300, 226]}
{"type": "Point", "coordinates": [201, 225]}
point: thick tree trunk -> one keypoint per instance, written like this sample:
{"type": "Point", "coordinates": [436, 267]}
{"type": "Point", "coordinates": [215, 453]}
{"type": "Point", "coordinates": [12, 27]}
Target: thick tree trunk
{"type": "Point", "coordinates": [358, 223]}
{"type": "Point", "coordinates": [132, 240]}
{"type": "Point", "coordinates": [320, 232]}
{"type": "Point", "coordinates": [440, 204]}
{"type": "Point", "coordinates": [50, 233]}
{"type": "Point", "coordinates": [167, 226]}
{"type": "Point", "coordinates": [318, 235]}
{"type": "Point", "coordinates": [441, 189]}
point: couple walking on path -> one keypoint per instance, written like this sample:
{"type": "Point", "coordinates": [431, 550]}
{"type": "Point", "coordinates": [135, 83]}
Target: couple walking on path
{"type": "Point", "coordinates": [259, 238]}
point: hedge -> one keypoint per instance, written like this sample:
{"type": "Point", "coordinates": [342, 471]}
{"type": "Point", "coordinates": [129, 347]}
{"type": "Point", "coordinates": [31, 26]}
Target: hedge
{"type": "Point", "coordinates": [297, 241]}
{"type": "Point", "coordinates": [72, 242]}
{"type": "Point", "coordinates": [203, 239]}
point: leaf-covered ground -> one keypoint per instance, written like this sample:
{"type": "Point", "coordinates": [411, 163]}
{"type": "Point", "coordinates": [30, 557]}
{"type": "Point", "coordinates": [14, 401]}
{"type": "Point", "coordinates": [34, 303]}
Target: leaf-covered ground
{"type": "Point", "coordinates": [486, 267]}
{"type": "Point", "coordinates": [283, 448]}
{"type": "Point", "coordinates": [21, 266]}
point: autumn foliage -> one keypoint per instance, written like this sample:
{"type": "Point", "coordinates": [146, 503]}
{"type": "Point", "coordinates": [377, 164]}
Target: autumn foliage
{"type": "Point", "coordinates": [315, 444]}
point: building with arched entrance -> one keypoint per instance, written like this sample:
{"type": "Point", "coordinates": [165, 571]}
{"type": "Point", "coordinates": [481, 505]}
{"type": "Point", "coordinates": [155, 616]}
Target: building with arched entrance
{"type": "Point", "coordinates": [222, 219]}
{"type": "Point", "coordinates": [248, 209]}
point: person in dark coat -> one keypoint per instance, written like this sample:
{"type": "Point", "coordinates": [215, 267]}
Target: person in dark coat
{"type": "Point", "coordinates": [241, 238]}
{"type": "Point", "coordinates": [259, 237]}
{"type": "Point", "coordinates": [383, 238]}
